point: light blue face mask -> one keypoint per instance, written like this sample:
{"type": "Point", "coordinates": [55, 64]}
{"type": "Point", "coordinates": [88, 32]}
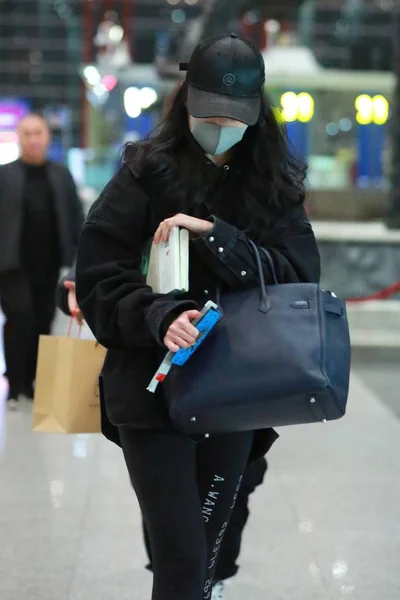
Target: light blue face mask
{"type": "Point", "coordinates": [216, 139]}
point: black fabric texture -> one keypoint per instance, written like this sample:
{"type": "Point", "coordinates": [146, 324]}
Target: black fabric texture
{"type": "Point", "coordinates": [56, 190]}
{"type": "Point", "coordinates": [186, 492]}
{"type": "Point", "coordinates": [127, 317]}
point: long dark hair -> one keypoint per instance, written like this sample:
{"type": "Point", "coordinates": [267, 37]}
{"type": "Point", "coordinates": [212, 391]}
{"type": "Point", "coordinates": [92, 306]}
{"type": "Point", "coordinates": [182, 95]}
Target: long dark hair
{"type": "Point", "coordinates": [266, 179]}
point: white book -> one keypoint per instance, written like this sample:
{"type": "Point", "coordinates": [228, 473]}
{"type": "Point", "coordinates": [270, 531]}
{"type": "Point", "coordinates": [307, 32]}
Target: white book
{"type": "Point", "coordinates": [169, 263]}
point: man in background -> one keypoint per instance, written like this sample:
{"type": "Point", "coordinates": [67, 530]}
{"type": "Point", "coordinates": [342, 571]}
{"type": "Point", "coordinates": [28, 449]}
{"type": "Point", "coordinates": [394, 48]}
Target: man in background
{"type": "Point", "coordinates": [40, 222]}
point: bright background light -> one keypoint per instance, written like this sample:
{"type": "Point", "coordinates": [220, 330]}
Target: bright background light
{"type": "Point", "coordinates": [132, 102]}
{"type": "Point", "coordinates": [289, 106]}
{"type": "Point", "coordinates": [116, 33]}
{"type": "Point", "coordinates": [178, 16]}
{"type": "Point", "coordinates": [8, 153]}
{"type": "Point", "coordinates": [297, 107]}
{"type": "Point", "coordinates": [148, 97]}
{"type": "Point", "coordinates": [92, 75]}
{"type": "Point", "coordinates": [381, 110]}
{"type": "Point", "coordinates": [305, 107]}
{"type": "Point", "coordinates": [372, 110]}
{"type": "Point", "coordinates": [136, 100]}
{"type": "Point", "coordinates": [109, 82]}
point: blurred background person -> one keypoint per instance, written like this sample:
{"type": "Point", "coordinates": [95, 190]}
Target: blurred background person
{"type": "Point", "coordinates": [40, 222]}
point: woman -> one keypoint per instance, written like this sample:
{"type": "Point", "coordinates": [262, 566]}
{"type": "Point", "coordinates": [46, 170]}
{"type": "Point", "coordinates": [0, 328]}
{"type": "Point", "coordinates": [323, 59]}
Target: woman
{"type": "Point", "coordinates": [253, 476]}
{"type": "Point", "coordinates": [218, 166]}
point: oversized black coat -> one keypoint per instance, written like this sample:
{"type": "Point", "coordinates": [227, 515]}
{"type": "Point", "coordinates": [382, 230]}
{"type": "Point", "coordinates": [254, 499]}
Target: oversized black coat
{"type": "Point", "coordinates": [130, 320]}
{"type": "Point", "coordinates": [68, 210]}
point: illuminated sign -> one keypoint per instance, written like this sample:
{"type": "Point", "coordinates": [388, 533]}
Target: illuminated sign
{"type": "Point", "coordinates": [371, 110]}
{"type": "Point", "coordinates": [297, 107]}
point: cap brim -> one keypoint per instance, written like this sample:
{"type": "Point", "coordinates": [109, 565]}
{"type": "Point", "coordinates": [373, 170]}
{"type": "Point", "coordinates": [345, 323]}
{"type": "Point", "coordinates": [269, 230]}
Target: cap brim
{"type": "Point", "coordinates": [203, 105]}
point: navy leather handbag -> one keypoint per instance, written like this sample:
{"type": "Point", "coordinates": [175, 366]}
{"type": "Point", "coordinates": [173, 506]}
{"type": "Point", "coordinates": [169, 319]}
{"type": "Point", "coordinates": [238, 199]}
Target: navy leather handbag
{"type": "Point", "coordinates": [280, 356]}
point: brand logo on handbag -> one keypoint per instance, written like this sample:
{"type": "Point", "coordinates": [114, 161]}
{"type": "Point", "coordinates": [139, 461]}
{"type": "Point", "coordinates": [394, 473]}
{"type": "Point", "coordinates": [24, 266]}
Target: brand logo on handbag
{"type": "Point", "coordinates": [301, 304]}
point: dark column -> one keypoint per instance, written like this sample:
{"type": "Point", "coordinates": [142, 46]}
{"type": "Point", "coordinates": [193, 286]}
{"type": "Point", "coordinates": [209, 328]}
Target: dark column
{"type": "Point", "coordinates": [393, 218]}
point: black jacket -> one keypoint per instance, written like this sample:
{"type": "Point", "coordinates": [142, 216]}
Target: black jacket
{"type": "Point", "coordinates": [68, 209]}
{"type": "Point", "coordinates": [129, 319]}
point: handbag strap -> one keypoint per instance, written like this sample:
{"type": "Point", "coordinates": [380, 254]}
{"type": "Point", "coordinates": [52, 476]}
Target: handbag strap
{"type": "Point", "coordinates": [265, 304]}
{"type": "Point", "coordinates": [271, 265]}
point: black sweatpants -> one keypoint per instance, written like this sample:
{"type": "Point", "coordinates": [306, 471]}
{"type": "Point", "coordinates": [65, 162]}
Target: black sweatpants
{"type": "Point", "coordinates": [28, 302]}
{"type": "Point", "coordinates": [186, 492]}
{"type": "Point", "coordinates": [227, 566]}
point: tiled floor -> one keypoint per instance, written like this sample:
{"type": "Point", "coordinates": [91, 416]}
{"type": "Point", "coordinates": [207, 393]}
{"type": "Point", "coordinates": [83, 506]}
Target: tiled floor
{"type": "Point", "coordinates": [325, 525]}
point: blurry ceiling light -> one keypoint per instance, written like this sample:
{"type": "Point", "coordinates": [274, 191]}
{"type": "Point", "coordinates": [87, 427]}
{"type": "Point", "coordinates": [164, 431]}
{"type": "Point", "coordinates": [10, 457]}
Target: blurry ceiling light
{"type": "Point", "coordinates": [109, 82]}
{"type": "Point", "coordinates": [116, 33]}
{"type": "Point", "coordinates": [92, 75]}
{"type": "Point", "coordinates": [191, 2]}
{"type": "Point", "coordinates": [332, 129]}
{"type": "Point", "coordinates": [132, 102]}
{"type": "Point", "coordinates": [148, 97]}
{"type": "Point", "coordinates": [272, 26]}
{"type": "Point", "coordinates": [178, 16]}
{"type": "Point", "coordinates": [345, 124]}
{"type": "Point", "coordinates": [173, 2]}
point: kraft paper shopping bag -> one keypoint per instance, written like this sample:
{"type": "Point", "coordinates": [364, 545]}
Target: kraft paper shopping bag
{"type": "Point", "coordinates": [67, 389]}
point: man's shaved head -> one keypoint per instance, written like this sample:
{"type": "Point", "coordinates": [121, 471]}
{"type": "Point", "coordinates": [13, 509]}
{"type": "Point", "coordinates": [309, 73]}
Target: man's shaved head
{"type": "Point", "coordinates": [34, 139]}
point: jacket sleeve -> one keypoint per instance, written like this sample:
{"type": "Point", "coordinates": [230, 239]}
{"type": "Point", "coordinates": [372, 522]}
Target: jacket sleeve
{"type": "Point", "coordinates": [121, 310]}
{"type": "Point", "coordinates": [62, 292]}
{"type": "Point", "coordinates": [291, 245]}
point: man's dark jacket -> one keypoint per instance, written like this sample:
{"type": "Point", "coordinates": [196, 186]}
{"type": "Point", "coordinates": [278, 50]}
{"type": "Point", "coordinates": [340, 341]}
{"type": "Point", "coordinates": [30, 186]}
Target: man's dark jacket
{"type": "Point", "coordinates": [68, 210]}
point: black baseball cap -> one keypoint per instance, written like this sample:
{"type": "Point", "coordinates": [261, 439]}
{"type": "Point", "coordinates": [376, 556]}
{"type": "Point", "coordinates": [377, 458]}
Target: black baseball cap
{"type": "Point", "coordinates": [226, 77]}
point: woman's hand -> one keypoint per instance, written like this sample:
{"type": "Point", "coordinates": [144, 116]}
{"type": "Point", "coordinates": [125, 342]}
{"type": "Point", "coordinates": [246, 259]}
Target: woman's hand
{"type": "Point", "coordinates": [196, 226]}
{"type": "Point", "coordinates": [181, 333]}
{"type": "Point", "coordinates": [72, 302]}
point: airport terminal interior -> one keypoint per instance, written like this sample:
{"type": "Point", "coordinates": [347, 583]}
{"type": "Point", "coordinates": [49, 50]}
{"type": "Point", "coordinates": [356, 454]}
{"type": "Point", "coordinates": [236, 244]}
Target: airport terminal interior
{"type": "Point", "coordinates": [325, 523]}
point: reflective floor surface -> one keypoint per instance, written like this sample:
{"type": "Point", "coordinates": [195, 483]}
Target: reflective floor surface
{"type": "Point", "coordinates": [325, 525]}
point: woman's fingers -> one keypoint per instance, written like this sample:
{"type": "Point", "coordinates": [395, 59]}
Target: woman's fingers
{"type": "Point", "coordinates": [181, 333]}
{"type": "Point", "coordinates": [163, 231]}
{"type": "Point", "coordinates": [176, 342]}
{"type": "Point", "coordinates": [171, 346]}
{"type": "Point", "coordinates": [72, 303]}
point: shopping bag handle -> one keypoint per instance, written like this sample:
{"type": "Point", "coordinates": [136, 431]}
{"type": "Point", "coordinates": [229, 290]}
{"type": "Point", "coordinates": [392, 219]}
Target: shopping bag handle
{"type": "Point", "coordinates": [71, 322]}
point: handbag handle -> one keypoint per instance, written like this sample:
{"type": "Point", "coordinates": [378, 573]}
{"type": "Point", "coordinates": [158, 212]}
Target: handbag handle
{"type": "Point", "coordinates": [265, 303]}
{"type": "Point", "coordinates": [271, 265]}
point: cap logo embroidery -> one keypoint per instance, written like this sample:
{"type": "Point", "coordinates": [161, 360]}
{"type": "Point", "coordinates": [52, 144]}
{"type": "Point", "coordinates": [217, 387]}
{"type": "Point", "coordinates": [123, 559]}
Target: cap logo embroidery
{"type": "Point", "coordinates": [229, 79]}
